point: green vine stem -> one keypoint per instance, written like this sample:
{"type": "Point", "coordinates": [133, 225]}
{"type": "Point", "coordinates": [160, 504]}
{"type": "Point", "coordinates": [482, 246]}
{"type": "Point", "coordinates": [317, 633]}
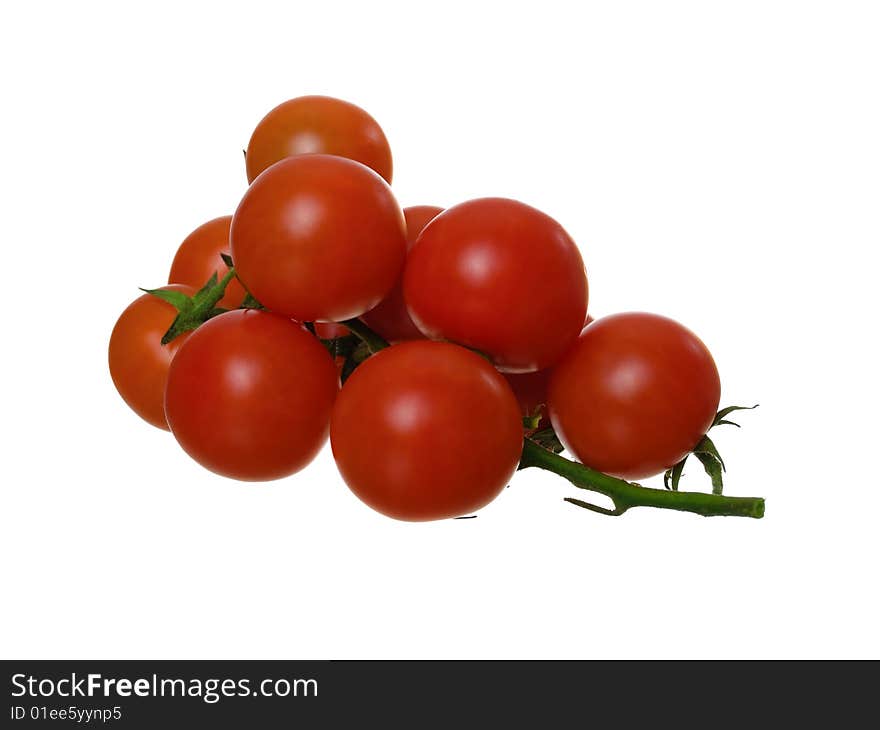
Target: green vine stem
{"type": "Point", "coordinates": [626, 494]}
{"type": "Point", "coordinates": [371, 339]}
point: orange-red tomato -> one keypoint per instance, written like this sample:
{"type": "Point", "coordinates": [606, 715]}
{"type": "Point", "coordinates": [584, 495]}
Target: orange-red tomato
{"type": "Point", "coordinates": [318, 238]}
{"type": "Point", "coordinates": [634, 395]}
{"type": "Point", "coordinates": [500, 277]}
{"type": "Point", "coordinates": [199, 256]}
{"type": "Point", "coordinates": [310, 124]}
{"type": "Point", "coordinates": [249, 395]}
{"type": "Point", "coordinates": [390, 318]}
{"type": "Point", "coordinates": [426, 430]}
{"type": "Point", "coordinates": [139, 361]}
{"type": "Point", "coordinates": [330, 330]}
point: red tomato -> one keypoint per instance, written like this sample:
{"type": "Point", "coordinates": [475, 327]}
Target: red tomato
{"type": "Point", "coordinates": [320, 124]}
{"type": "Point", "coordinates": [138, 360]}
{"type": "Point", "coordinates": [330, 330]}
{"type": "Point", "coordinates": [390, 318]}
{"type": "Point", "coordinates": [634, 395]}
{"type": "Point", "coordinates": [249, 395]}
{"type": "Point", "coordinates": [426, 430]}
{"type": "Point", "coordinates": [501, 277]}
{"type": "Point", "coordinates": [318, 238]}
{"type": "Point", "coordinates": [199, 256]}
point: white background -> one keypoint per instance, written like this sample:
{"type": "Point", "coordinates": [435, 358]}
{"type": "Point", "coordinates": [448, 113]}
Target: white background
{"type": "Point", "coordinates": [717, 162]}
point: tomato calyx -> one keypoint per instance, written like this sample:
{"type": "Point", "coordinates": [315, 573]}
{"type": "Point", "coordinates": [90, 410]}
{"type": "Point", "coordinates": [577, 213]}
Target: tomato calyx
{"type": "Point", "coordinates": [195, 310]}
{"type": "Point", "coordinates": [250, 301]}
{"type": "Point", "coordinates": [546, 438]}
{"type": "Point", "coordinates": [707, 454]}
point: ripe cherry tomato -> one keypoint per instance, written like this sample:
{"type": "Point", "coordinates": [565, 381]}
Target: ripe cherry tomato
{"type": "Point", "coordinates": [390, 318]}
{"type": "Point", "coordinates": [634, 394]}
{"type": "Point", "coordinates": [426, 430]}
{"type": "Point", "coordinates": [320, 124]}
{"type": "Point", "coordinates": [138, 360]}
{"type": "Point", "coordinates": [330, 330]}
{"type": "Point", "coordinates": [318, 238]}
{"type": "Point", "coordinates": [501, 277]}
{"type": "Point", "coordinates": [199, 256]}
{"type": "Point", "coordinates": [249, 395]}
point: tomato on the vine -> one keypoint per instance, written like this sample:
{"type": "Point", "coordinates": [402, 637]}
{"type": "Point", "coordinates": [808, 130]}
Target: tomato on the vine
{"type": "Point", "coordinates": [390, 318]}
{"type": "Point", "coordinates": [634, 395]}
{"type": "Point", "coordinates": [426, 430]}
{"type": "Point", "coordinates": [310, 124]}
{"type": "Point", "coordinates": [199, 256]}
{"type": "Point", "coordinates": [318, 238]}
{"type": "Point", "coordinates": [500, 277]}
{"type": "Point", "coordinates": [139, 361]}
{"type": "Point", "coordinates": [249, 395]}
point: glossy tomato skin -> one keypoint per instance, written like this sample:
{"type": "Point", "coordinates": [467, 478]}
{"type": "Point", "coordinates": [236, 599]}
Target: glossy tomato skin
{"type": "Point", "coordinates": [501, 277]}
{"type": "Point", "coordinates": [139, 361]}
{"type": "Point", "coordinates": [318, 124]}
{"type": "Point", "coordinates": [330, 330]}
{"type": "Point", "coordinates": [634, 394]}
{"type": "Point", "coordinates": [199, 256]}
{"type": "Point", "coordinates": [249, 395]}
{"type": "Point", "coordinates": [425, 431]}
{"type": "Point", "coordinates": [390, 318]}
{"type": "Point", "coordinates": [318, 238]}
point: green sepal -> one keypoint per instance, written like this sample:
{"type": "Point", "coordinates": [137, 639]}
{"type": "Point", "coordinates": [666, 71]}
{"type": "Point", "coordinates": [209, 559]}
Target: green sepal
{"type": "Point", "coordinates": [227, 259]}
{"type": "Point", "coordinates": [250, 302]}
{"type": "Point", "coordinates": [195, 310]}
{"type": "Point", "coordinates": [176, 299]}
{"type": "Point", "coordinates": [673, 476]}
{"type": "Point", "coordinates": [546, 438]}
{"type": "Point", "coordinates": [712, 462]}
{"type": "Point", "coordinates": [707, 453]}
{"type": "Point", "coordinates": [724, 412]}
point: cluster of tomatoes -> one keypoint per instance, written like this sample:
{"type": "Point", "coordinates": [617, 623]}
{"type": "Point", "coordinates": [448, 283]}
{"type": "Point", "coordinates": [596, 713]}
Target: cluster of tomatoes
{"type": "Point", "coordinates": [427, 343]}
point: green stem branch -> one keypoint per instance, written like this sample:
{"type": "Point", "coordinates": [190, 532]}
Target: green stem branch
{"type": "Point", "coordinates": [626, 494]}
{"type": "Point", "coordinates": [372, 340]}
